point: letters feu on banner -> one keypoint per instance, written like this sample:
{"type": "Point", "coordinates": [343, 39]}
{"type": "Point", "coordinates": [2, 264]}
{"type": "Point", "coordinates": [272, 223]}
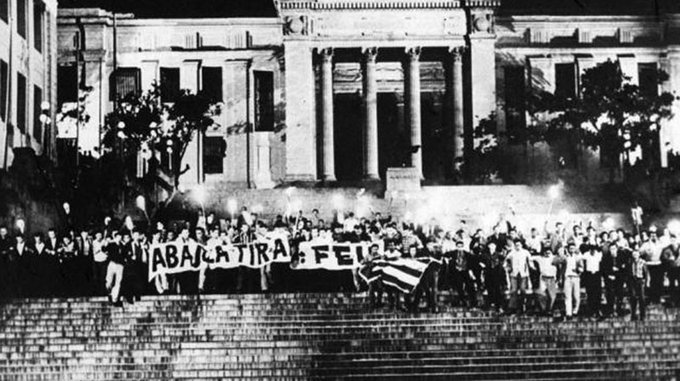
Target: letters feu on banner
{"type": "Point", "coordinates": [177, 257]}
{"type": "Point", "coordinates": [332, 255]}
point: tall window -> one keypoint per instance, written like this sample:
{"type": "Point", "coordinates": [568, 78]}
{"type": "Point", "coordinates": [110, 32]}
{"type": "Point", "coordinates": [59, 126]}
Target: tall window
{"type": "Point", "coordinates": [4, 10]}
{"type": "Point", "coordinates": [21, 18]}
{"type": "Point", "coordinates": [37, 111]}
{"type": "Point", "coordinates": [125, 81]}
{"type": "Point", "coordinates": [21, 103]}
{"type": "Point", "coordinates": [169, 84]}
{"type": "Point", "coordinates": [214, 148]}
{"type": "Point", "coordinates": [514, 102]}
{"type": "Point", "coordinates": [565, 80]}
{"type": "Point", "coordinates": [4, 81]}
{"type": "Point", "coordinates": [212, 83]}
{"type": "Point", "coordinates": [648, 79]}
{"type": "Point", "coordinates": [264, 101]}
{"type": "Point", "coordinates": [67, 84]}
{"type": "Point", "coordinates": [38, 20]}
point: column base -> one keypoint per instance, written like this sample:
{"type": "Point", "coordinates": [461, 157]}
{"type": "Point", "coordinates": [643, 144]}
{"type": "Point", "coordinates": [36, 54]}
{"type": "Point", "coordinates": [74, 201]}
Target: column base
{"type": "Point", "coordinates": [299, 177]}
{"type": "Point", "coordinates": [372, 176]}
{"type": "Point", "coordinates": [328, 178]}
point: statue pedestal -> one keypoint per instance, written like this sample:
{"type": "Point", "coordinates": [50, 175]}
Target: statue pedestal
{"type": "Point", "coordinates": [405, 179]}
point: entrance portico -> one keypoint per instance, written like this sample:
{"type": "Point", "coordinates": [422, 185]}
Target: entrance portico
{"type": "Point", "coordinates": [409, 37]}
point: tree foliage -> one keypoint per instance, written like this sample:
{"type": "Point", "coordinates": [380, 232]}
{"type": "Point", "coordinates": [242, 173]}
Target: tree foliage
{"type": "Point", "coordinates": [610, 114]}
{"type": "Point", "coordinates": [143, 123]}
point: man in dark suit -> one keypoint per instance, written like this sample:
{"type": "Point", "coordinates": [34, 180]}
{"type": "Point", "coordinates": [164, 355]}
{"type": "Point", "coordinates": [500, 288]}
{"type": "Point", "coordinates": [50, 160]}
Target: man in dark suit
{"type": "Point", "coordinates": [20, 276]}
{"type": "Point", "coordinates": [40, 265]}
{"type": "Point", "coordinates": [83, 263]}
{"type": "Point", "coordinates": [6, 244]}
{"type": "Point", "coordinates": [52, 263]}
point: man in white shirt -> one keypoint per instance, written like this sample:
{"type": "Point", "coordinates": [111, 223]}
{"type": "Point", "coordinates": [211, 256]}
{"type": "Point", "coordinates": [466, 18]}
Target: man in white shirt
{"type": "Point", "coordinates": [651, 253]}
{"type": "Point", "coordinates": [592, 278]}
{"type": "Point", "coordinates": [99, 263]}
{"type": "Point", "coordinates": [572, 264]}
{"type": "Point", "coordinates": [517, 264]}
{"type": "Point", "coordinates": [547, 289]}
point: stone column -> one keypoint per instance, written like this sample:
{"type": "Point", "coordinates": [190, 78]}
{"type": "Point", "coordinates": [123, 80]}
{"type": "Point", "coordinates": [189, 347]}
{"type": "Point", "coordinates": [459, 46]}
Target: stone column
{"type": "Point", "coordinates": [370, 115]}
{"type": "Point", "coordinates": [328, 161]}
{"type": "Point", "coordinates": [413, 91]}
{"type": "Point", "coordinates": [457, 99]}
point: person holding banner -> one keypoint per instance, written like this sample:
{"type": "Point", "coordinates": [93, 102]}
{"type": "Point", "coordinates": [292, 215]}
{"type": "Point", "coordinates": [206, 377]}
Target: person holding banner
{"type": "Point", "coordinates": [462, 277]}
{"type": "Point", "coordinates": [188, 280]}
{"type": "Point", "coordinates": [248, 279]}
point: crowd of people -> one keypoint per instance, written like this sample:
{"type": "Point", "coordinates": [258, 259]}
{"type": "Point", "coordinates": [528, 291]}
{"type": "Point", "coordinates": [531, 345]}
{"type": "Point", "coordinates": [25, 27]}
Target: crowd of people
{"type": "Point", "coordinates": [505, 268]}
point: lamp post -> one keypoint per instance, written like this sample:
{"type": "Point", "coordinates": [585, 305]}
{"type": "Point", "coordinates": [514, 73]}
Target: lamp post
{"type": "Point", "coordinates": [45, 121]}
{"type": "Point", "coordinates": [554, 194]}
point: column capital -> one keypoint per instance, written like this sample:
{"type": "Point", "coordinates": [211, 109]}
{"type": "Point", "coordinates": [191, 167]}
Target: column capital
{"type": "Point", "coordinates": [370, 54]}
{"type": "Point", "coordinates": [325, 53]}
{"type": "Point", "coordinates": [457, 52]}
{"type": "Point", "coordinates": [413, 53]}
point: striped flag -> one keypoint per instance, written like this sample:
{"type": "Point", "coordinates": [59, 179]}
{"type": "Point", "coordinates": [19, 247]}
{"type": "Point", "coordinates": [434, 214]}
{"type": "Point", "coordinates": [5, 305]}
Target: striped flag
{"type": "Point", "coordinates": [402, 274]}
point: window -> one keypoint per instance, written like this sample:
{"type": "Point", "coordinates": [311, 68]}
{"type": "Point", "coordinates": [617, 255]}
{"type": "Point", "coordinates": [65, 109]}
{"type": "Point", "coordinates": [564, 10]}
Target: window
{"type": "Point", "coordinates": [4, 10]}
{"type": "Point", "coordinates": [21, 103]}
{"type": "Point", "coordinates": [648, 79]}
{"type": "Point", "coordinates": [214, 148]}
{"type": "Point", "coordinates": [21, 18]}
{"type": "Point", "coordinates": [212, 83]}
{"type": "Point", "coordinates": [514, 102]}
{"type": "Point", "coordinates": [38, 17]}
{"type": "Point", "coordinates": [125, 81]}
{"type": "Point", "coordinates": [264, 101]}
{"type": "Point", "coordinates": [4, 81]}
{"type": "Point", "coordinates": [565, 80]}
{"type": "Point", "coordinates": [169, 84]}
{"type": "Point", "coordinates": [37, 112]}
{"type": "Point", "coordinates": [67, 84]}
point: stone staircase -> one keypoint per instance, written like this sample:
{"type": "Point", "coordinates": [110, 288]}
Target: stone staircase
{"type": "Point", "coordinates": [320, 336]}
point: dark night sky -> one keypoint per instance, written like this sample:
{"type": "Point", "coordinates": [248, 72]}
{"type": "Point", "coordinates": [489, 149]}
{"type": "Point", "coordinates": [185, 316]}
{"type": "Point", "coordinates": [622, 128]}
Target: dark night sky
{"type": "Point", "coordinates": [590, 7]}
{"type": "Point", "coordinates": [181, 8]}
{"type": "Point", "coordinates": [265, 8]}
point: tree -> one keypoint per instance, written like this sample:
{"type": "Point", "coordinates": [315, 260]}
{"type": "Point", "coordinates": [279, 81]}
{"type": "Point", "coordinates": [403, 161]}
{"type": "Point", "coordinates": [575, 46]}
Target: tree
{"type": "Point", "coordinates": [142, 125]}
{"type": "Point", "coordinates": [609, 114]}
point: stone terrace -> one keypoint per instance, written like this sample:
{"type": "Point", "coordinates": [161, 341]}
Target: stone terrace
{"type": "Point", "coordinates": [479, 205]}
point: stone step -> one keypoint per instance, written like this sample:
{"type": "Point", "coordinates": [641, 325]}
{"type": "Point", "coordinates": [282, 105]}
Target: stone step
{"type": "Point", "coordinates": [383, 344]}
{"type": "Point", "coordinates": [189, 330]}
{"type": "Point", "coordinates": [246, 357]}
{"type": "Point", "coordinates": [636, 370]}
{"type": "Point", "coordinates": [495, 331]}
{"type": "Point", "coordinates": [228, 369]}
{"type": "Point", "coordinates": [266, 362]}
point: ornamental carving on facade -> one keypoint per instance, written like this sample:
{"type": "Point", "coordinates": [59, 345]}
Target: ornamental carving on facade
{"type": "Point", "coordinates": [482, 23]}
{"type": "Point", "coordinates": [295, 25]}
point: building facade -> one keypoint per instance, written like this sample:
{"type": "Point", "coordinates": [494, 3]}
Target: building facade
{"type": "Point", "coordinates": [344, 89]}
{"type": "Point", "coordinates": [28, 63]}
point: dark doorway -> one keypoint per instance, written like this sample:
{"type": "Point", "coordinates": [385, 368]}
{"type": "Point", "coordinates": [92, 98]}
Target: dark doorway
{"type": "Point", "coordinates": [437, 156]}
{"type": "Point", "coordinates": [393, 140]}
{"type": "Point", "coordinates": [348, 127]}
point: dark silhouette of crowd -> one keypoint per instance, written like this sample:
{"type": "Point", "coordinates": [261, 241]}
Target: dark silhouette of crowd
{"type": "Point", "coordinates": [542, 270]}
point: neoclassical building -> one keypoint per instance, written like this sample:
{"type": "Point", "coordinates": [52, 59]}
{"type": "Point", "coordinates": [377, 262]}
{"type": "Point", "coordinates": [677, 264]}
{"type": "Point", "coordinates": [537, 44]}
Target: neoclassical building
{"type": "Point", "coordinates": [28, 78]}
{"type": "Point", "coordinates": [344, 89]}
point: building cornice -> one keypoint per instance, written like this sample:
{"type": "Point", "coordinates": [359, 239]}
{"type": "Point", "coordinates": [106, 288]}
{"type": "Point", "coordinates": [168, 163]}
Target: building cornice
{"type": "Point", "coordinates": [324, 5]}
